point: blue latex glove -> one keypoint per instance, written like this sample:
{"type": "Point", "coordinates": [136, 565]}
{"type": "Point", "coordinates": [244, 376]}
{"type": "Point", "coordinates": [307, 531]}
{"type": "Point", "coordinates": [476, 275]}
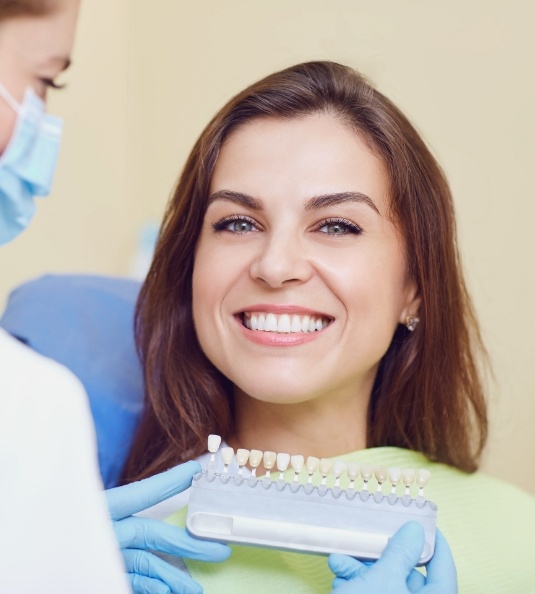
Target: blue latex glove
{"type": "Point", "coordinates": [148, 573]}
{"type": "Point", "coordinates": [394, 572]}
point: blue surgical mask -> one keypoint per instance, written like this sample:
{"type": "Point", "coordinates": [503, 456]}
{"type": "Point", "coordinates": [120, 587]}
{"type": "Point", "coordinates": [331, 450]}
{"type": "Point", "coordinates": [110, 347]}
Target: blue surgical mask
{"type": "Point", "coordinates": [28, 163]}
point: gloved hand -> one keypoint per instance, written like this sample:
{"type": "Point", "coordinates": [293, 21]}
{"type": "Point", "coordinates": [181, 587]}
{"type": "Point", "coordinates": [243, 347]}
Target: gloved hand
{"type": "Point", "coordinates": [394, 572]}
{"type": "Point", "coordinates": [148, 573]}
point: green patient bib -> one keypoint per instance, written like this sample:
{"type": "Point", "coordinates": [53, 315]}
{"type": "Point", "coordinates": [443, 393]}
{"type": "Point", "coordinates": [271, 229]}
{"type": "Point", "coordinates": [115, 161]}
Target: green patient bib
{"type": "Point", "coordinates": [489, 525]}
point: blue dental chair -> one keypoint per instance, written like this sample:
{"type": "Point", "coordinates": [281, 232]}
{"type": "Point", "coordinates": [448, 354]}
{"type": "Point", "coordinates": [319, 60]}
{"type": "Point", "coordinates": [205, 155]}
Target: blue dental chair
{"type": "Point", "coordinates": [86, 323]}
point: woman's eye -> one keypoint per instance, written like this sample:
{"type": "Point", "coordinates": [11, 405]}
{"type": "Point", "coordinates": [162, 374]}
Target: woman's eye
{"type": "Point", "coordinates": [237, 225]}
{"type": "Point", "coordinates": [338, 227]}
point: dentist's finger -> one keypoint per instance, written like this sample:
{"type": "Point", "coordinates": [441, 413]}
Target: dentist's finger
{"type": "Point", "coordinates": [130, 499]}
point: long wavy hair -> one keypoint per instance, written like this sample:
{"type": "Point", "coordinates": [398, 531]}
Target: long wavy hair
{"type": "Point", "coordinates": [428, 394]}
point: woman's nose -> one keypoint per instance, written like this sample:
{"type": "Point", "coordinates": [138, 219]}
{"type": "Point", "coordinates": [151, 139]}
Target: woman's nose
{"type": "Point", "coordinates": [281, 260]}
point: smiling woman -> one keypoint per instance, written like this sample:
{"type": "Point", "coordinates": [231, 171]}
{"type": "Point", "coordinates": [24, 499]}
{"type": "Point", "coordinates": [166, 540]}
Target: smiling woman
{"type": "Point", "coordinates": [251, 224]}
{"type": "Point", "coordinates": [306, 297]}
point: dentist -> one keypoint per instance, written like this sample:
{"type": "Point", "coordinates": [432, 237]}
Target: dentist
{"type": "Point", "coordinates": [47, 442]}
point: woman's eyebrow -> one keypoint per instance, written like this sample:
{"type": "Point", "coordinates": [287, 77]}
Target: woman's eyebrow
{"type": "Point", "coordinates": [330, 199]}
{"type": "Point", "coordinates": [314, 203]}
{"type": "Point", "coordinates": [238, 198]}
{"type": "Point", "coordinates": [57, 61]}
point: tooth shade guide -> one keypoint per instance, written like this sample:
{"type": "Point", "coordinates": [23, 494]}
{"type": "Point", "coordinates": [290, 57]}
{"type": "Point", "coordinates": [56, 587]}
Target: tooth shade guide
{"type": "Point", "coordinates": [331, 473]}
{"type": "Point", "coordinates": [297, 509]}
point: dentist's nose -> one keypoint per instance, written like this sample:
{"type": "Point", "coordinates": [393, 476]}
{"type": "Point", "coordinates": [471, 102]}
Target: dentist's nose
{"type": "Point", "coordinates": [281, 260]}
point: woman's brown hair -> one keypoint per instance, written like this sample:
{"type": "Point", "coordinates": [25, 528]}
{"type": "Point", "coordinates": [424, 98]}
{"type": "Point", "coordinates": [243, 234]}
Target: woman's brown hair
{"type": "Point", "coordinates": [18, 8]}
{"type": "Point", "coordinates": [427, 396]}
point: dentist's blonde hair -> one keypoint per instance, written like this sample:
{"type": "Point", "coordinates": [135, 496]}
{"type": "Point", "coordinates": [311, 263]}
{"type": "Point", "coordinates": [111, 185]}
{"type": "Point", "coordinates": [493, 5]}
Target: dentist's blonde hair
{"type": "Point", "coordinates": [427, 396]}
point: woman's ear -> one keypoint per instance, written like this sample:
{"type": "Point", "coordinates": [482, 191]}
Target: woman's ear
{"type": "Point", "coordinates": [412, 303]}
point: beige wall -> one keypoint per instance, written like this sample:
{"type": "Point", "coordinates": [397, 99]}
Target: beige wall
{"type": "Point", "coordinates": [144, 83]}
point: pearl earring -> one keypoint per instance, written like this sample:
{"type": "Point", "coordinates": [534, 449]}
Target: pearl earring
{"type": "Point", "coordinates": [411, 322]}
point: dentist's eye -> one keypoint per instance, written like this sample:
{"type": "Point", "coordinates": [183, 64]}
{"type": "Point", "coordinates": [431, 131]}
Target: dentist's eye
{"type": "Point", "coordinates": [338, 227]}
{"type": "Point", "coordinates": [236, 224]}
{"type": "Point", "coordinates": [52, 84]}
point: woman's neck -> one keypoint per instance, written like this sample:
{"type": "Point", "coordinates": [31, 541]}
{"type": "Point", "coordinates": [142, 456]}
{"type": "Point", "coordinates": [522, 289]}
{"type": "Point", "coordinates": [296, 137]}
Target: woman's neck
{"type": "Point", "coordinates": [320, 427]}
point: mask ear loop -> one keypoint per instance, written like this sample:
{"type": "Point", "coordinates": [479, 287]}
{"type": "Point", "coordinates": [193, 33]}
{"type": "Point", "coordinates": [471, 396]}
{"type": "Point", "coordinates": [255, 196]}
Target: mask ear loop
{"type": "Point", "coordinates": [9, 99]}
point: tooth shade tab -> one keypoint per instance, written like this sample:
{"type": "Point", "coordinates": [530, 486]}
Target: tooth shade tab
{"type": "Point", "coordinates": [422, 478]}
{"type": "Point", "coordinates": [284, 323]}
{"type": "Point", "coordinates": [269, 460]}
{"type": "Point", "coordinates": [214, 441]}
{"type": "Point", "coordinates": [366, 471]}
{"type": "Point", "coordinates": [255, 458]}
{"type": "Point", "coordinates": [297, 463]}
{"type": "Point", "coordinates": [338, 470]}
{"type": "Point", "coordinates": [326, 467]}
{"type": "Point", "coordinates": [312, 466]}
{"type": "Point", "coordinates": [242, 457]}
{"type": "Point", "coordinates": [283, 461]}
{"type": "Point", "coordinates": [408, 475]}
{"type": "Point", "coordinates": [226, 455]}
{"type": "Point", "coordinates": [381, 474]}
{"type": "Point", "coordinates": [394, 476]}
{"type": "Point", "coordinates": [352, 472]}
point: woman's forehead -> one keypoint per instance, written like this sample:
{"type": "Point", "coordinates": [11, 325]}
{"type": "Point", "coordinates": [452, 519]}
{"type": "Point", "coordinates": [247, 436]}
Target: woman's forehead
{"type": "Point", "coordinates": [308, 155]}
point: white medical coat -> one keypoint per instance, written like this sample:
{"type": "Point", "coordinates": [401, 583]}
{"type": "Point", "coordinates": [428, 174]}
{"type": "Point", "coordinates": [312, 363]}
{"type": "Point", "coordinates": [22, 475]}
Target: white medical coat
{"type": "Point", "coordinates": [55, 535]}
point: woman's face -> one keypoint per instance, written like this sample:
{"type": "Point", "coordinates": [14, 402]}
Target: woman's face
{"type": "Point", "coordinates": [33, 52]}
{"type": "Point", "coordinates": [299, 279]}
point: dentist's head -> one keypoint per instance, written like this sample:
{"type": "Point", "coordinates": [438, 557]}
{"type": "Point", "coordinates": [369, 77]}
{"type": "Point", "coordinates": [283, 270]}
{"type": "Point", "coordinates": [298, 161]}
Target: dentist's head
{"type": "Point", "coordinates": [36, 39]}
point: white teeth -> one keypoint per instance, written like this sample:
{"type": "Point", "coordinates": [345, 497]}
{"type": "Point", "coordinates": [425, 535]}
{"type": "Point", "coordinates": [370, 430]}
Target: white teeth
{"type": "Point", "coordinates": [253, 322]}
{"type": "Point", "coordinates": [296, 324]}
{"type": "Point", "coordinates": [284, 323]}
{"type": "Point", "coordinates": [271, 323]}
